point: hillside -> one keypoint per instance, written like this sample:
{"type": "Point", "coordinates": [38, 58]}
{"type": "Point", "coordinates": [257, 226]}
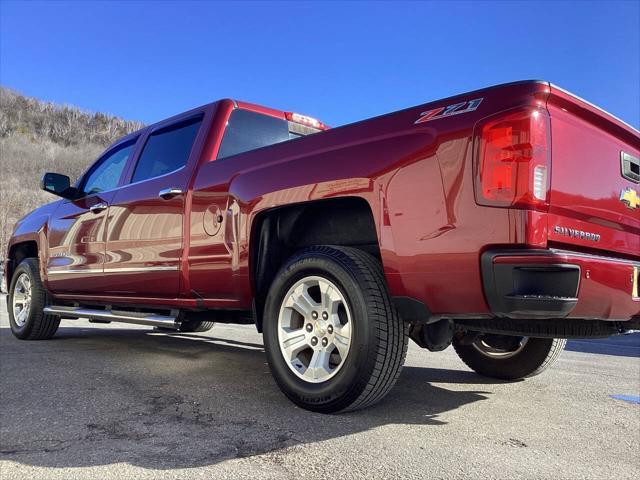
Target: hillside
{"type": "Point", "coordinates": [36, 137]}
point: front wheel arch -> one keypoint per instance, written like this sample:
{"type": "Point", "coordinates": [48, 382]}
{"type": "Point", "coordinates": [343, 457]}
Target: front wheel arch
{"type": "Point", "coordinates": [17, 253]}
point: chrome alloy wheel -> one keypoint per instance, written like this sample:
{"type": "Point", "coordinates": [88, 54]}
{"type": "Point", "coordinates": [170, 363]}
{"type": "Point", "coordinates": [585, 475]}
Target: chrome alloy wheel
{"type": "Point", "coordinates": [496, 347]}
{"type": "Point", "coordinates": [21, 300]}
{"type": "Point", "coordinates": [314, 329]}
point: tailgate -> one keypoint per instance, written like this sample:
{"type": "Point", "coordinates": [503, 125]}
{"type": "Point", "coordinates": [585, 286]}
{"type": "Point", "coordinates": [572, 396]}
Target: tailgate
{"type": "Point", "coordinates": [594, 197]}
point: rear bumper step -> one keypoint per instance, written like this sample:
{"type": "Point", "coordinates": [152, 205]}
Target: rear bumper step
{"type": "Point", "coordinates": [136, 318]}
{"type": "Point", "coordinates": [525, 289]}
{"type": "Point", "coordinates": [553, 284]}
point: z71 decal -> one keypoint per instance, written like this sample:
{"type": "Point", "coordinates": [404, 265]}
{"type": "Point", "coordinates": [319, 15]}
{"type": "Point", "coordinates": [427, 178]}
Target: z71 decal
{"type": "Point", "coordinates": [455, 109]}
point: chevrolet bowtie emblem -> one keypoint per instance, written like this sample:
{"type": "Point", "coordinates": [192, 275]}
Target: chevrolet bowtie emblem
{"type": "Point", "coordinates": [630, 197]}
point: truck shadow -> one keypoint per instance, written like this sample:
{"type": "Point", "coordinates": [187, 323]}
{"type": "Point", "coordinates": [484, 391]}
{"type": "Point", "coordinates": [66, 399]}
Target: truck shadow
{"type": "Point", "coordinates": [105, 396]}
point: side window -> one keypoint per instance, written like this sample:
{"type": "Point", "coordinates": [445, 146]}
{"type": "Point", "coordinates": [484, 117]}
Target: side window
{"type": "Point", "coordinates": [106, 175]}
{"type": "Point", "coordinates": [249, 130]}
{"type": "Point", "coordinates": [167, 149]}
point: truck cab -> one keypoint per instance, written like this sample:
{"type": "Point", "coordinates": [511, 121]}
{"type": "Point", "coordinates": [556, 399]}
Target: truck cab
{"type": "Point", "coordinates": [127, 225]}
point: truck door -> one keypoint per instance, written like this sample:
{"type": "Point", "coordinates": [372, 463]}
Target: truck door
{"type": "Point", "coordinates": [77, 229]}
{"type": "Point", "coordinates": [217, 247]}
{"type": "Point", "coordinates": [145, 226]}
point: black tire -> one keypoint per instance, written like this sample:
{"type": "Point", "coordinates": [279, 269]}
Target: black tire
{"type": "Point", "coordinates": [535, 356]}
{"type": "Point", "coordinates": [190, 326]}
{"type": "Point", "coordinates": [37, 325]}
{"type": "Point", "coordinates": [379, 337]}
{"type": "Point", "coordinates": [196, 326]}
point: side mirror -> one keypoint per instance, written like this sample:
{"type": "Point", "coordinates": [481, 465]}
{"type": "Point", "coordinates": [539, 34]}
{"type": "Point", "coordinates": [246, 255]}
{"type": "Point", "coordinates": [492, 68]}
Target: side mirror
{"type": "Point", "coordinates": [57, 184]}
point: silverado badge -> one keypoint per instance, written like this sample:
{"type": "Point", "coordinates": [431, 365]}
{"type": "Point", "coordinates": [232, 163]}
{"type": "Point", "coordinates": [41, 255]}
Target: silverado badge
{"type": "Point", "coordinates": [630, 198]}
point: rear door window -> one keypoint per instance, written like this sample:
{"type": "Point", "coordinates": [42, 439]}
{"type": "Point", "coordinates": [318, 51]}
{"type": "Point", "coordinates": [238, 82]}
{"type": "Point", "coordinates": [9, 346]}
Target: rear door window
{"type": "Point", "coordinates": [249, 130]}
{"type": "Point", "coordinates": [167, 149]}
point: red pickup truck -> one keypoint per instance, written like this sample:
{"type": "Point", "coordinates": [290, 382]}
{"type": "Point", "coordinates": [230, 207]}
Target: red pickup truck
{"type": "Point", "coordinates": [502, 221]}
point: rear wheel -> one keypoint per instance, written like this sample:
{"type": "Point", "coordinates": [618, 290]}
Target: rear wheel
{"type": "Point", "coordinates": [509, 357]}
{"type": "Point", "coordinates": [27, 299]}
{"type": "Point", "coordinates": [333, 339]}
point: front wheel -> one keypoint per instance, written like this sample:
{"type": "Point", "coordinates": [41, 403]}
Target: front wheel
{"type": "Point", "coordinates": [333, 339]}
{"type": "Point", "coordinates": [509, 357]}
{"type": "Point", "coordinates": [27, 299]}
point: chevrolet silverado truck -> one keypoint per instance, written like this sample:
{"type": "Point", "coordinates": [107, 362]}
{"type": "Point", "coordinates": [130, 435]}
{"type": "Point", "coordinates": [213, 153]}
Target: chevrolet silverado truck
{"type": "Point", "coordinates": [501, 221]}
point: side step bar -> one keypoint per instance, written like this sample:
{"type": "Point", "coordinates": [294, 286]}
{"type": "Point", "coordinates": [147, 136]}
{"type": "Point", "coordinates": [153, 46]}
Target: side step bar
{"type": "Point", "coordinates": [150, 319]}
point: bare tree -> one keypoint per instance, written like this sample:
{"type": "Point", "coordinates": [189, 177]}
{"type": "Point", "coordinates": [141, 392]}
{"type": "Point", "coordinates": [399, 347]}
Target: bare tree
{"type": "Point", "coordinates": [40, 136]}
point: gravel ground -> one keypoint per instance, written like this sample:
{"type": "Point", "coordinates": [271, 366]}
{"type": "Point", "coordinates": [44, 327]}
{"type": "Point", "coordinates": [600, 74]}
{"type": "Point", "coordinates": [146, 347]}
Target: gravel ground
{"type": "Point", "coordinates": [113, 401]}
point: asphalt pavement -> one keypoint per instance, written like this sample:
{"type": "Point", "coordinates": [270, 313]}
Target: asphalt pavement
{"type": "Point", "coordinates": [117, 401]}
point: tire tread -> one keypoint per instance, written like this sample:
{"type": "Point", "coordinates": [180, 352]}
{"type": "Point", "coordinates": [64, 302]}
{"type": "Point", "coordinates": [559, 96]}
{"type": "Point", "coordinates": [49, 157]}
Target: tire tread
{"type": "Point", "coordinates": [538, 355]}
{"type": "Point", "coordinates": [43, 326]}
{"type": "Point", "coordinates": [392, 333]}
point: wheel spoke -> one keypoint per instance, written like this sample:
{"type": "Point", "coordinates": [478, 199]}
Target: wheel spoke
{"type": "Point", "coordinates": [301, 301]}
{"type": "Point", "coordinates": [342, 339]}
{"type": "Point", "coordinates": [342, 345]}
{"type": "Point", "coordinates": [330, 297]}
{"type": "Point", "coordinates": [343, 331]}
{"type": "Point", "coordinates": [19, 297]}
{"type": "Point", "coordinates": [293, 342]}
{"type": "Point", "coordinates": [319, 365]}
{"type": "Point", "coordinates": [22, 316]}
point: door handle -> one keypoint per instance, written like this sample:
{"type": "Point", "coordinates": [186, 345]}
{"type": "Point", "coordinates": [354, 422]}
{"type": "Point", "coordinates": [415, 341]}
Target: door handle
{"type": "Point", "coordinates": [168, 193]}
{"type": "Point", "coordinates": [98, 207]}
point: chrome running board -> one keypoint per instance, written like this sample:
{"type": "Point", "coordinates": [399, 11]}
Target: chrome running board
{"type": "Point", "coordinates": [136, 318]}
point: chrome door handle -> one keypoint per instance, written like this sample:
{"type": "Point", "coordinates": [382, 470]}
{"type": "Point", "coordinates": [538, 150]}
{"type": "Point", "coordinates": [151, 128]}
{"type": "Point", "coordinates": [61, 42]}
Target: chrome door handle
{"type": "Point", "coordinates": [98, 207]}
{"type": "Point", "coordinates": [168, 193]}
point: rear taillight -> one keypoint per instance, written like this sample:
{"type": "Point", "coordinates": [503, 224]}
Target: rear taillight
{"type": "Point", "coordinates": [512, 159]}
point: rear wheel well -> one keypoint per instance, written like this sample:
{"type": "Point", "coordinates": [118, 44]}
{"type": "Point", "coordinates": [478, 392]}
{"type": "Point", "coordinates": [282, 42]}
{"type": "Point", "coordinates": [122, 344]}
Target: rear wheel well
{"type": "Point", "coordinates": [279, 232]}
{"type": "Point", "coordinates": [19, 252]}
